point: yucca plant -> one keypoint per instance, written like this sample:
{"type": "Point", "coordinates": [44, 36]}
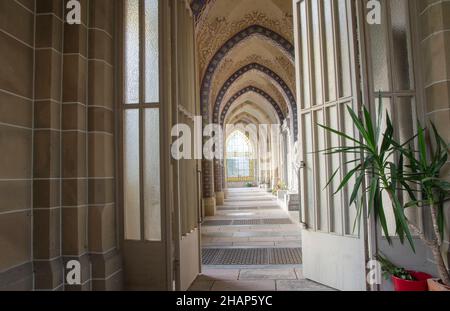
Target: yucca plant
{"type": "Point", "coordinates": [374, 153]}
{"type": "Point", "coordinates": [424, 173]}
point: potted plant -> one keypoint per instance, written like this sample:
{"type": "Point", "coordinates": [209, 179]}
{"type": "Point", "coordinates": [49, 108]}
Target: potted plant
{"type": "Point", "coordinates": [414, 173]}
{"type": "Point", "coordinates": [404, 280]}
{"type": "Point", "coordinates": [280, 189]}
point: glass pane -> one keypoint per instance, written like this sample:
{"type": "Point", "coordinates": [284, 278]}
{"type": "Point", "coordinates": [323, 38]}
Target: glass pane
{"type": "Point", "coordinates": [405, 129]}
{"type": "Point", "coordinates": [321, 172]}
{"type": "Point", "coordinates": [317, 53]}
{"type": "Point", "coordinates": [152, 189]}
{"type": "Point", "coordinates": [334, 163]}
{"type": "Point", "coordinates": [387, 108]}
{"type": "Point", "coordinates": [151, 51]}
{"type": "Point", "coordinates": [350, 210]}
{"type": "Point", "coordinates": [345, 76]}
{"type": "Point", "coordinates": [329, 42]}
{"type": "Point", "coordinates": [402, 45]}
{"type": "Point", "coordinates": [305, 56]}
{"type": "Point", "coordinates": [309, 169]}
{"type": "Point", "coordinates": [131, 176]}
{"type": "Point", "coordinates": [132, 51]}
{"type": "Point", "coordinates": [379, 54]}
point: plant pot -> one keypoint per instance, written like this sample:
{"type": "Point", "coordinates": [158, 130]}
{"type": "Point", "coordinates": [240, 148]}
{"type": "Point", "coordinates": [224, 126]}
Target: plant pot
{"type": "Point", "coordinates": [435, 285]}
{"type": "Point", "coordinates": [419, 285]}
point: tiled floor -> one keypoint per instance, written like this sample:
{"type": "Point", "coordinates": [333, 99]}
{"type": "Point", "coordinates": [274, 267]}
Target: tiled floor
{"type": "Point", "coordinates": [246, 204]}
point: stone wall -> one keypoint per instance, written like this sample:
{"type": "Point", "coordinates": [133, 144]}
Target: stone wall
{"type": "Point", "coordinates": [57, 187]}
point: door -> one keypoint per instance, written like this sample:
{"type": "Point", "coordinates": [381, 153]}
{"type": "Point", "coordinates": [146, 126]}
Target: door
{"type": "Point", "coordinates": [186, 190]}
{"type": "Point", "coordinates": [144, 99]}
{"type": "Point", "coordinates": [390, 62]}
{"type": "Point", "coordinates": [334, 254]}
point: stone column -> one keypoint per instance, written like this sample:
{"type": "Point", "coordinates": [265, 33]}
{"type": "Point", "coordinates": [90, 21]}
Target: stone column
{"type": "Point", "coordinates": [48, 264]}
{"type": "Point", "coordinates": [434, 24]}
{"type": "Point", "coordinates": [209, 198]}
{"type": "Point", "coordinates": [74, 142]}
{"type": "Point", "coordinates": [218, 189]}
{"type": "Point", "coordinates": [106, 262]}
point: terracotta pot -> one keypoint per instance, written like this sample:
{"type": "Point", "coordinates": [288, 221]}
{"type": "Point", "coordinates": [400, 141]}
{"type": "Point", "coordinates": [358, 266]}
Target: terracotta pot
{"type": "Point", "coordinates": [435, 285]}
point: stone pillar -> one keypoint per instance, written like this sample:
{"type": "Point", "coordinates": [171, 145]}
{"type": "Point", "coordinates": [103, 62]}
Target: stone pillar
{"type": "Point", "coordinates": [74, 142]}
{"type": "Point", "coordinates": [48, 264]}
{"type": "Point", "coordinates": [218, 189]}
{"type": "Point", "coordinates": [434, 24]}
{"type": "Point", "coordinates": [209, 199]}
{"type": "Point", "coordinates": [224, 181]}
{"type": "Point", "coordinates": [106, 262]}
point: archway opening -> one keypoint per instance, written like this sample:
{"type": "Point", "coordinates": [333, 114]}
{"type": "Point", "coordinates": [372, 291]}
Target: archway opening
{"type": "Point", "coordinates": [240, 161]}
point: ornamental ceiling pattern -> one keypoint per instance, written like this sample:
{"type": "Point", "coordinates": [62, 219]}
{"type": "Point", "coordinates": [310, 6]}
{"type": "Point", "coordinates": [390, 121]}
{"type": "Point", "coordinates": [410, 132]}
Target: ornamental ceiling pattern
{"type": "Point", "coordinates": [236, 34]}
{"type": "Point", "coordinates": [260, 81]}
{"type": "Point", "coordinates": [271, 76]}
{"type": "Point", "coordinates": [252, 100]}
{"type": "Point", "coordinates": [278, 64]}
{"type": "Point", "coordinates": [225, 18]}
{"type": "Point", "coordinates": [248, 110]}
{"type": "Point", "coordinates": [252, 89]}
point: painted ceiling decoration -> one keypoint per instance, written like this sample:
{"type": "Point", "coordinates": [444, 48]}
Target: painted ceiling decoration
{"type": "Point", "coordinates": [225, 18]}
{"type": "Point", "coordinates": [271, 75]}
{"type": "Point", "coordinates": [260, 81]}
{"type": "Point", "coordinates": [228, 46]}
{"type": "Point", "coordinates": [246, 53]}
{"type": "Point", "coordinates": [253, 89]}
{"type": "Point", "coordinates": [239, 58]}
{"type": "Point", "coordinates": [255, 115]}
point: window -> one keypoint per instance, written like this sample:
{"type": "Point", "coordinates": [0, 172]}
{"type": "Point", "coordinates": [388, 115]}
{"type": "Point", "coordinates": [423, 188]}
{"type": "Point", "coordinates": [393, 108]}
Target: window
{"type": "Point", "coordinates": [240, 162]}
{"type": "Point", "coordinates": [141, 121]}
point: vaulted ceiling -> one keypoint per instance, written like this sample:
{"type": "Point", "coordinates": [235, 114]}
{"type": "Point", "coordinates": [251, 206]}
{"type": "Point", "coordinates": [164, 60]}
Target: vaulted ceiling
{"type": "Point", "coordinates": [233, 35]}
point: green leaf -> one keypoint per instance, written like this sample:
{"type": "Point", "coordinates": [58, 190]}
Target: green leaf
{"type": "Point", "coordinates": [422, 146]}
{"type": "Point", "coordinates": [360, 126]}
{"type": "Point", "coordinates": [347, 178]}
{"type": "Point", "coordinates": [332, 177]}
{"type": "Point", "coordinates": [369, 126]}
{"type": "Point", "coordinates": [356, 188]}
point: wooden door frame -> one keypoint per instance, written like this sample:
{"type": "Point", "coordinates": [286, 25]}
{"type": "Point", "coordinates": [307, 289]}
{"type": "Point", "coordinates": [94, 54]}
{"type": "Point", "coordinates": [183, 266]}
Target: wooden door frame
{"type": "Point", "coordinates": [165, 108]}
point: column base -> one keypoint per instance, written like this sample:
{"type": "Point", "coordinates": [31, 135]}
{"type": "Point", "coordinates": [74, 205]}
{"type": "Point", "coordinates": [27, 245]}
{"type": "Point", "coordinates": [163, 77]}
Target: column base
{"type": "Point", "coordinates": [220, 198]}
{"type": "Point", "coordinates": [210, 206]}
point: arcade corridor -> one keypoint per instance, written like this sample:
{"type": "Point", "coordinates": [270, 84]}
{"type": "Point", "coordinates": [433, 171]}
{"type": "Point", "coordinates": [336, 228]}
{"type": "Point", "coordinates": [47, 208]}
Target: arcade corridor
{"type": "Point", "coordinates": [252, 244]}
{"type": "Point", "coordinates": [167, 145]}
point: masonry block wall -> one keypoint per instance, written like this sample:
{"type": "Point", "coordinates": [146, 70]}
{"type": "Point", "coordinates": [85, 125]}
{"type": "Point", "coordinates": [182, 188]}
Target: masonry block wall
{"type": "Point", "coordinates": [57, 159]}
{"type": "Point", "coordinates": [16, 143]}
{"type": "Point", "coordinates": [434, 33]}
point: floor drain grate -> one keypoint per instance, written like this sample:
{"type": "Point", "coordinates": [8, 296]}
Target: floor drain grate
{"type": "Point", "coordinates": [251, 256]}
{"type": "Point", "coordinates": [244, 222]}
{"type": "Point", "coordinates": [210, 223]}
{"type": "Point", "coordinates": [247, 222]}
{"type": "Point", "coordinates": [283, 256]}
{"type": "Point", "coordinates": [281, 221]}
{"type": "Point", "coordinates": [237, 208]}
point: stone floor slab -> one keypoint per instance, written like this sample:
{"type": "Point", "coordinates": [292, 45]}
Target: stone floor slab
{"type": "Point", "coordinates": [300, 285]}
{"type": "Point", "coordinates": [267, 274]}
{"type": "Point", "coordinates": [250, 286]}
{"type": "Point", "coordinates": [201, 286]}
